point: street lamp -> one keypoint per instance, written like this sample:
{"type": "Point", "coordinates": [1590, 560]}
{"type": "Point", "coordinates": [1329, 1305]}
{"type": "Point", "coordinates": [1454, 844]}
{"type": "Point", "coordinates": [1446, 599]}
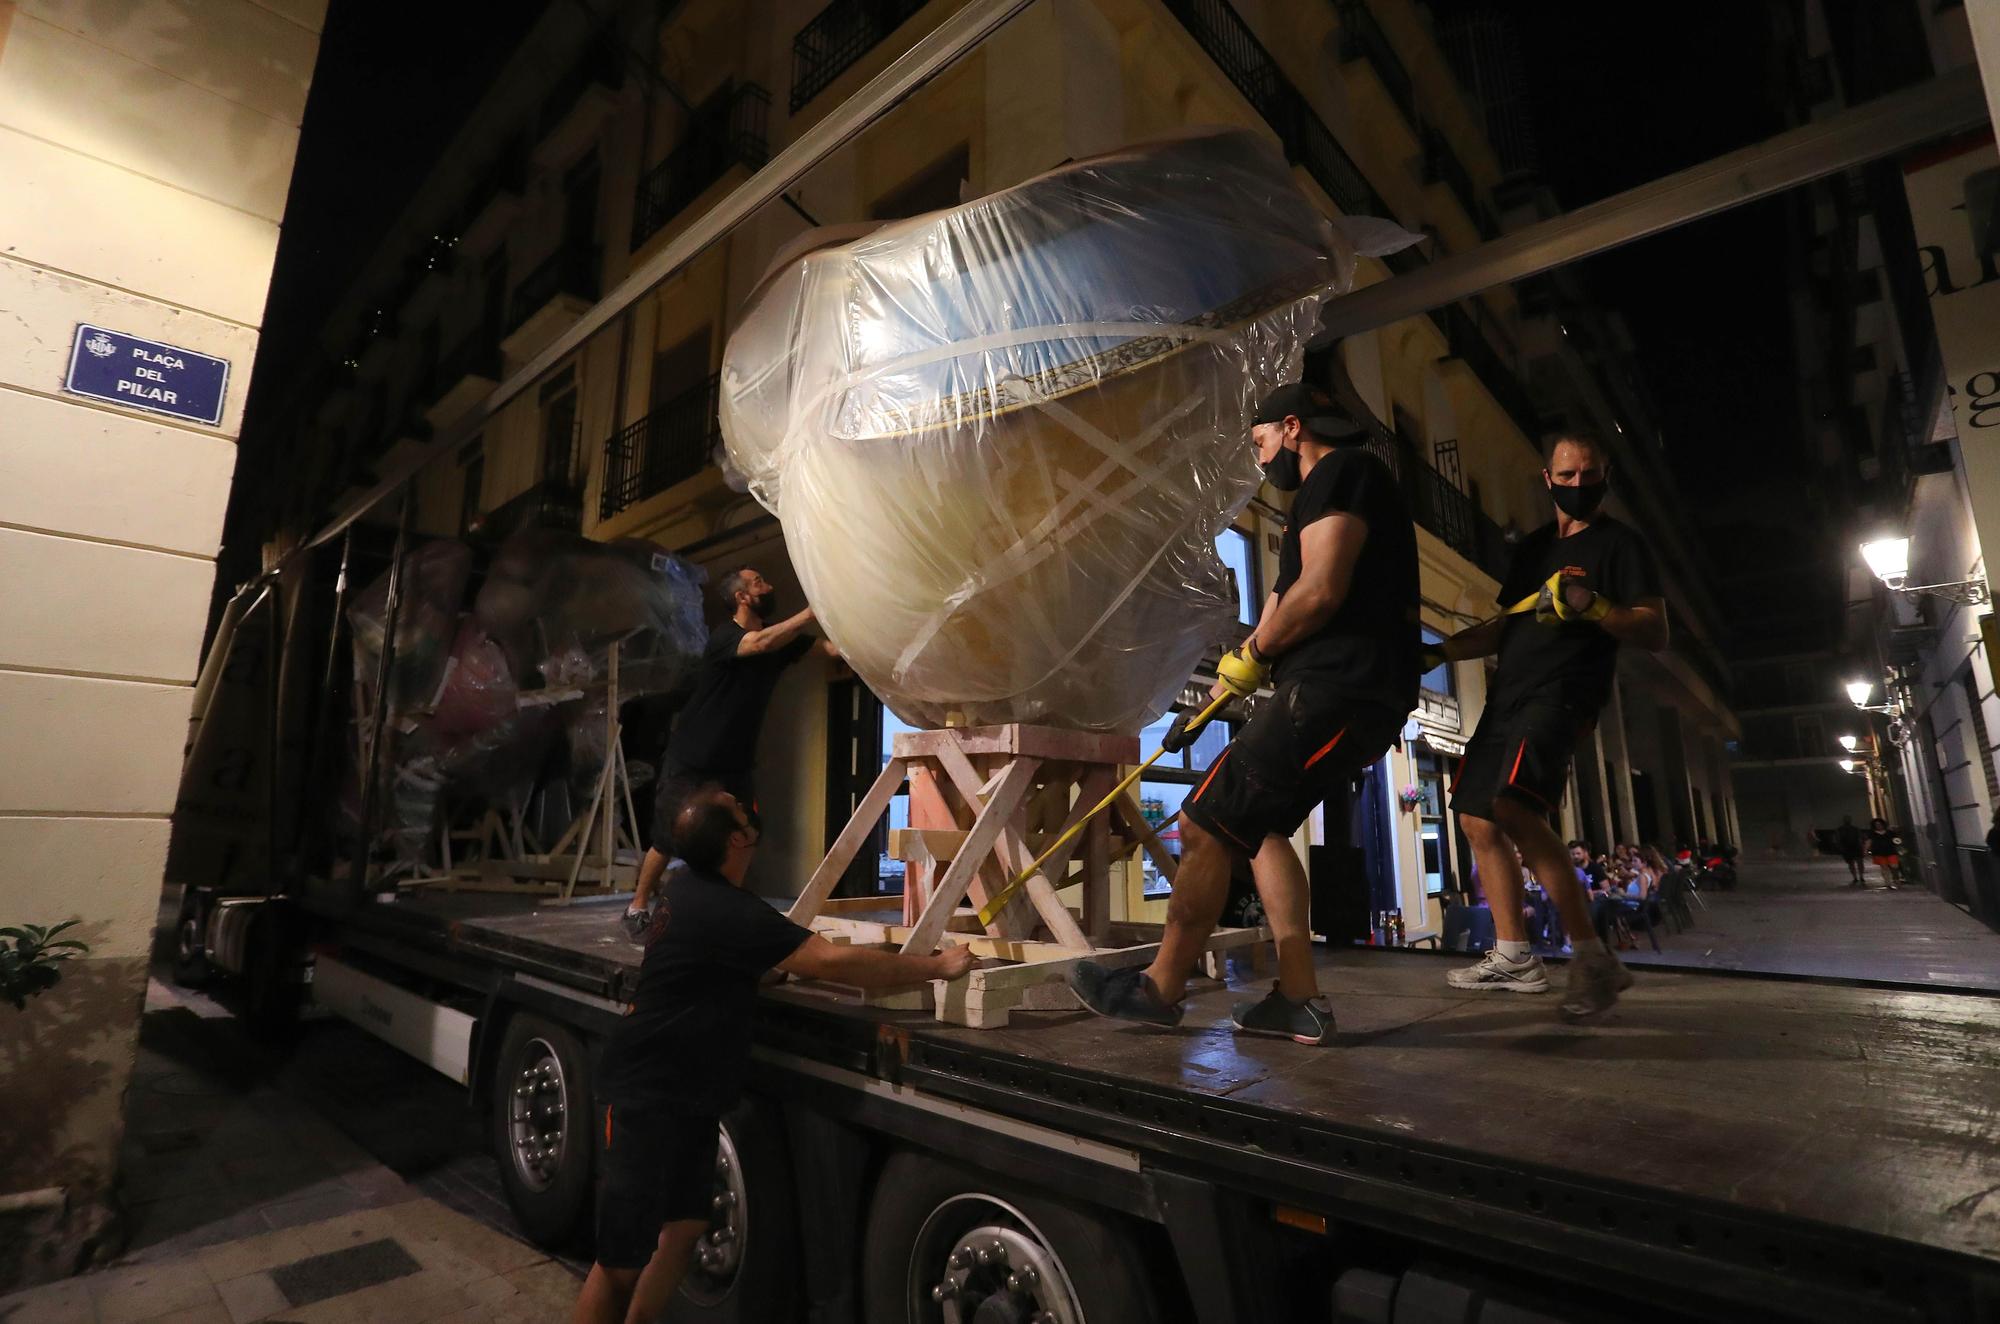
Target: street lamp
{"type": "Point", "coordinates": [1889, 559]}
{"type": "Point", "coordinates": [1858, 691]}
{"type": "Point", "coordinates": [1847, 765]}
{"type": "Point", "coordinates": [1850, 743]}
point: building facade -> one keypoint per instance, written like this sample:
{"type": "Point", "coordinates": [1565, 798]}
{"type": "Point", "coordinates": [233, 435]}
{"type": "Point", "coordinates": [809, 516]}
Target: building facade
{"type": "Point", "coordinates": [599, 145]}
{"type": "Point", "coordinates": [120, 240]}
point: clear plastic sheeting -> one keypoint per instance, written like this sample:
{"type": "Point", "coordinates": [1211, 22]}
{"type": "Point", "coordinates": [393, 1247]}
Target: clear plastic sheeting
{"type": "Point", "coordinates": [1003, 438]}
{"type": "Point", "coordinates": [502, 698]}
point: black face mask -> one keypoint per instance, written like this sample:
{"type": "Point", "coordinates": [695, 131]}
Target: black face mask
{"type": "Point", "coordinates": [1581, 501]}
{"type": "Point", "coordinates": [1282, 470]}
{"type": "Point", "coordinates": [763, 602]}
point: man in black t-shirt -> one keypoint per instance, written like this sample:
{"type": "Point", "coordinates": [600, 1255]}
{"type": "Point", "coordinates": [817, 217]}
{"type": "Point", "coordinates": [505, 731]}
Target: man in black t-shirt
{"type": "Point", "coordinates": [1597, 589]}
{"type": "Point", "coordinates": [1339, 636]}
{"type": "Point", "coordinates": [715, 739]}
{"type": "Point", "coordinates": [675, 1064]}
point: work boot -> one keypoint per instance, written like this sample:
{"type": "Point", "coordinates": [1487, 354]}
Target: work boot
{"type": "Point", "coordinates": [1123, 994]}
{"type": "Point", "coordinates": [1308, 1022]}
{"type": "Point", "coordinates": [1496, 974]}
{"type": "Point", "coordinates": [1596, 978]}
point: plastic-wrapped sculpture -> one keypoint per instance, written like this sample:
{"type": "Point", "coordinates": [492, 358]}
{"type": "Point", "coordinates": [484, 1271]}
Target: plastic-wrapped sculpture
{"type": "Point", "coordinates": [1002, 438]}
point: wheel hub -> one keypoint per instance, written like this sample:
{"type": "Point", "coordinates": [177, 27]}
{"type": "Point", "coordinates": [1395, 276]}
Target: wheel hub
{"type": "Point", "coordinates": [536, 1111]}
{"type": "Point", "coordinates": [719, 1253]}
{"type": "Point", "coordinates": [997, 1274]}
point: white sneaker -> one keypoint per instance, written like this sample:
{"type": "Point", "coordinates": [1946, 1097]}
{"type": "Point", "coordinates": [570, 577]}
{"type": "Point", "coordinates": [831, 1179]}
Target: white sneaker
{"type": "Point", "coordinates": [1495, 973]}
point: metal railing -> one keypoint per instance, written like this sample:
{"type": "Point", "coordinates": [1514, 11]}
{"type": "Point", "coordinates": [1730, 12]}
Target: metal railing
{"type": "Point", "coordinates": [549, 504]}
{"type": "Point", "coordinates": [727, 130]}
{"type": "Point", "coordinates": [837, 36]}
{"type": "Point", "coordinates": [1436, 504]}
{"type": "Point", "coordinates": [670, 445]}
{"type": "Point", "coordinates": [1468, 343]}
{"type": "Point", "coordinates": [1362, 38]}
{"type": "Point", "coordinates": [572, 270]}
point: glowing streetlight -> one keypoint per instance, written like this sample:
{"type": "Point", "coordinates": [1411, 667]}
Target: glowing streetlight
{"type": "Point", "coordinates": [1850, 743]}
{"type": "Point", "coordinates": [1847, 765]}
{"type": "Point", "coordinates": [1889, 558]}
{"type": "Point", "coordinates": [1858, 691]}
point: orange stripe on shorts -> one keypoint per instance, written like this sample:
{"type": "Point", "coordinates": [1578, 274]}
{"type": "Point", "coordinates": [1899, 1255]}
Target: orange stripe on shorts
{"type": "Point", "coordinates": [1327, 748]}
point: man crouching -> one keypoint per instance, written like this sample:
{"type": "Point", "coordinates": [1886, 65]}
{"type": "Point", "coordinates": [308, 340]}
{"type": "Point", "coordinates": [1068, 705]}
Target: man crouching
{"type": "Point", "coordinates": [676, 1063]}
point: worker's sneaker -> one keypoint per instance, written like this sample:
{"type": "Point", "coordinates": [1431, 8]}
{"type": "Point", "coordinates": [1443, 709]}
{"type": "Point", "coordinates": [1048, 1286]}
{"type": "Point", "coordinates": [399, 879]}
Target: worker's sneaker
{"type": "Point", "coordinates": [1124, 994]}
{"type": "Point", "coordinates": [1308, 1022]}
{"type": "Point", "coordinates": [1596, 978]}
{"type": "Point", "coordinates": [1496, 974]}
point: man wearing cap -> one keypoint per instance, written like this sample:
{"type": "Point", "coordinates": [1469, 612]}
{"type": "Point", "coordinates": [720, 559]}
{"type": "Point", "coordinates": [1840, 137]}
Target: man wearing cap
{"type": "Point", "coordinates": [1339, 639]}
{"type": "Point", "coordinates": [1597, 589]}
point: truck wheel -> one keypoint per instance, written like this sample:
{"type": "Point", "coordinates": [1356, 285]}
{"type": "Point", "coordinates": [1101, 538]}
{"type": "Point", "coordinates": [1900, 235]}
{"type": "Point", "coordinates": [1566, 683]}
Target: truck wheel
{"type": "Point", "coordinates": [191, 968]}
{"type": "Point", "coordinates": [543, 1128]}
{"type": "Point", "coordinates": [273, 951]}
{"type": "Point", "coordinates": [946, 1245]}
{"type": "Point", "coordinates": [746, 1268]}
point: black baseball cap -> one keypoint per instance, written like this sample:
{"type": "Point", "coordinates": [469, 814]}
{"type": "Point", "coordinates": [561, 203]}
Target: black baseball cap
{"type": "Point", "coordinates": [1312, 406]}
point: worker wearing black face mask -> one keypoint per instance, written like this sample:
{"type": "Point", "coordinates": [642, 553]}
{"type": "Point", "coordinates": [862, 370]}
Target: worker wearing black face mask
{"type": "Point", "coordinates": [1338, 639]}
{"type": "Point", "coordinates": [1595, 587]}
{"type": "Point", "coordinates": [715, 739]}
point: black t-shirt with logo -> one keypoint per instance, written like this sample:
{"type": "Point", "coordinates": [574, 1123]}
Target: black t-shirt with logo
{"type": "Point", "coordinates": [1368, 648]}
{"type": "Point", "coordinates": [686, 1041]}
{"type": "Point", "coordinates": [1572, 662]}
{"type": "Point", "coordinates": [718, 728]}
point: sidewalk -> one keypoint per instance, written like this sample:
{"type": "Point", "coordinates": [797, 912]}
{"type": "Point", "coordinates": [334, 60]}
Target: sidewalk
{"type": "Point", "coordinates": [1798, 917]}
{"type": "Point", "coordinates": [247, 1204]}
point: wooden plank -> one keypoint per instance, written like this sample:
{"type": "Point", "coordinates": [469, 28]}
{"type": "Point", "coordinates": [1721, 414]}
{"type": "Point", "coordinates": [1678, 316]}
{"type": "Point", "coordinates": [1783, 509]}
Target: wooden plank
{"type": "Point", "coordinates": [951, 889]}
{"type": "Point", "coordinates": [1015, 854]}
{"type": "Point", "coordinates": [1040, 742]}
{"type": "Point", "coordinates": [886, 904]}
{"type": "Point", "coordinates": [1135, 818]}
{"type": "Point", "coordinates": [820, 886]}
{"type": "Point", "coordinates": [1097, 862]}
{"type": "Point", "coordinates": [936, 843]}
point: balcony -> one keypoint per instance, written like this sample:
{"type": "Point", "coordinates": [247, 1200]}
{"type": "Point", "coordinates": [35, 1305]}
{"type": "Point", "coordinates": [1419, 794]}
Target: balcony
{"type": "Point", "coordinates": [1468, 344]}
{"type": "Point", "coordinates": [668, 446]}
{"type": "Point", "coordinates": [1436, 504]}
{"type": "Point", "coordinates": [1362, 38]}
{"type": "Point", "coordinates": [837, 37]}
{"type": "Point", "coordinates": [1442, 166]}
{"type": "Point", "coordinates": [549, 504]}
{"type": "Point", "coordinates": [550, 298]}
{"type": "Point", "coordinates": [579, 103]}
{"type": "Point", "coordinates": [466, 375]}
{"type": "Point", "coordinates": [727, 130]}
{"type": "Point", "coordinates": [491, 206]}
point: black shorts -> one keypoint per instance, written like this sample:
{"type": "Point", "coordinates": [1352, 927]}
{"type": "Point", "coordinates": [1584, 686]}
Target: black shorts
{"type": "Point", "coordinates": [1303, 747]}
{"type": "Point", "coordinates": [656, 1166]}
{"type": "Point", "coordinates": [677, 784]}
{"type": "Point", "coordinates": [1522, 751]}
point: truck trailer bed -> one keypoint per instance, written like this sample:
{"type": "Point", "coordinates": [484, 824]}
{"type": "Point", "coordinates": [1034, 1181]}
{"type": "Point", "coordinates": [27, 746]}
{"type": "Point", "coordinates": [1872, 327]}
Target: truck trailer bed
{"type": "Point", "coordinates": [1838, 1144]}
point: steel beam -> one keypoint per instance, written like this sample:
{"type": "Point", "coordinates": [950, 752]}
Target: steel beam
{"type": "Point", "coordinates": [1864, 133]}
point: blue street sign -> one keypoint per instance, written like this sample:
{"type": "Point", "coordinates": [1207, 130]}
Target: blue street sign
{"type": "Point", "coordinates": [145, 374]}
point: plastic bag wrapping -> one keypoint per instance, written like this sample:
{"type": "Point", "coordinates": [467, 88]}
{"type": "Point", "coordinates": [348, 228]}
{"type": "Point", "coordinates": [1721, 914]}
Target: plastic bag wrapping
{"type": "Point", "coordinates": [488, 693]}
{"type": "Point", "coordinates": [1003, 438]}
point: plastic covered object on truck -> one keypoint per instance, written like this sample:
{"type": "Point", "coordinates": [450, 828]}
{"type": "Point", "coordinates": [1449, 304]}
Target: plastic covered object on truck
{"type": "Point", "coordinates": [1002, 438]}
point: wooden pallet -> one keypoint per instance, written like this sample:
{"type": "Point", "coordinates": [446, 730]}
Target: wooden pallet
{"type": "Point", "coordinates": [1006, 793]}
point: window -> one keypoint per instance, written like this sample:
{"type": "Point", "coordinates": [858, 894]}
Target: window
{"type": "Point", "coordinates": [472, 481]}
{"type": "Point", "coordinates": [559, 428]}
{"type": "Point", "coordinates": [1168, 783]}
{"type": "Point", "coordinates": [933, 188]}
{"type": "Point", "coordinates": [889, 871]}
{"type": "Point", "coordinates": [680, 368]}
{"type": "Point", "coordinates": [1810, 740]}
{"type": "Point", "coordinates": [1433, 837]}
{"type": "Point", "coordinates": [1238, 551]}
{"type": "Point", "coordinates": [1440, 679]}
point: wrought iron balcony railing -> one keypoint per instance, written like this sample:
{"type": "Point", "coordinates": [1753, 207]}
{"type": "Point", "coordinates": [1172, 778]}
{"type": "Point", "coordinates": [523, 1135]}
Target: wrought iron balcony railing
{"type": "Point", "coordinates": [728, 129]}
{"type": "Point", "coordinates": [839, 35]}
{"type": "Point", "coordinates": [572, 270]}
{"type": "Point", "coordinates": [667, 446]}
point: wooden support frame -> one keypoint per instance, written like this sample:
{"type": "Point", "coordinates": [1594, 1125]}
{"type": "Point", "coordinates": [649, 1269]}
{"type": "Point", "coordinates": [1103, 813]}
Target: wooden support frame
{"type": "Point", "coordinates": [1009, 792]}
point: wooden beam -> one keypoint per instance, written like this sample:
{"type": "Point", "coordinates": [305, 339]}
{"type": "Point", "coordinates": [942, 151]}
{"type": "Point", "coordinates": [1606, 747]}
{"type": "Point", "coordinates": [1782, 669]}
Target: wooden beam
{"type": "Point", "coordinates": [951, 889]}
{"type": "Point", "coordinates": [820, 886]}
{"type": "Point", "coordinates": [935, 843]}
{"type": "Point", "coordinates": [1015, 740]}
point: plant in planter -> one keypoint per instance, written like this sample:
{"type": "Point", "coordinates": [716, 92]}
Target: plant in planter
{"type": "Point", "coordinates": [1410, 797]}
{"type": "Point", "coordinates": [31, 957]}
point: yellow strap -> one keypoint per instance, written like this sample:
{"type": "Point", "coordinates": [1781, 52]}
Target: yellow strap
{"type": "Point", "coordinates": [998, 902]}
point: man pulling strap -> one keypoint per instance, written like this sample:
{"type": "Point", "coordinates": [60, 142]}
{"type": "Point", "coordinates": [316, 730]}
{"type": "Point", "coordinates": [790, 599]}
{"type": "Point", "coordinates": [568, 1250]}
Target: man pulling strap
{"type": "Point", "coordinates": [1598, 588]}
{"type": "Point", "coordinates": [1340, 630]}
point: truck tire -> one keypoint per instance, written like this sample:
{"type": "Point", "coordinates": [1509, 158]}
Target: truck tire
{"type": "Point", "coordinates": [936, 1229]}
{"type": "Point", "coordinates": [274, 951]}
{"type": "Point", "coordinates": [746, 1269]}
{"type": "Point", "coordinates": [544, 1128]}
{"type": "Point", "coordinates": [191, 968]}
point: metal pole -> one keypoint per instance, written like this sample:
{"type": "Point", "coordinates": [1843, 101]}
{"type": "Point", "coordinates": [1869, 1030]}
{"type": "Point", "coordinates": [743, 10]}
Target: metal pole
{"type": "Point", "coordinates": [372, 759]}
{"type": "Point", "coordinates": [1864, 133]}
{"type": "Point", "coordinates": [323, 713]}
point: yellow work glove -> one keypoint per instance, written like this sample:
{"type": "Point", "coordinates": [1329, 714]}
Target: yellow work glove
{"type": "Point", "coordinates": [1242, 672]}
{"type": "Point", "coordinates": [1558, 601]}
